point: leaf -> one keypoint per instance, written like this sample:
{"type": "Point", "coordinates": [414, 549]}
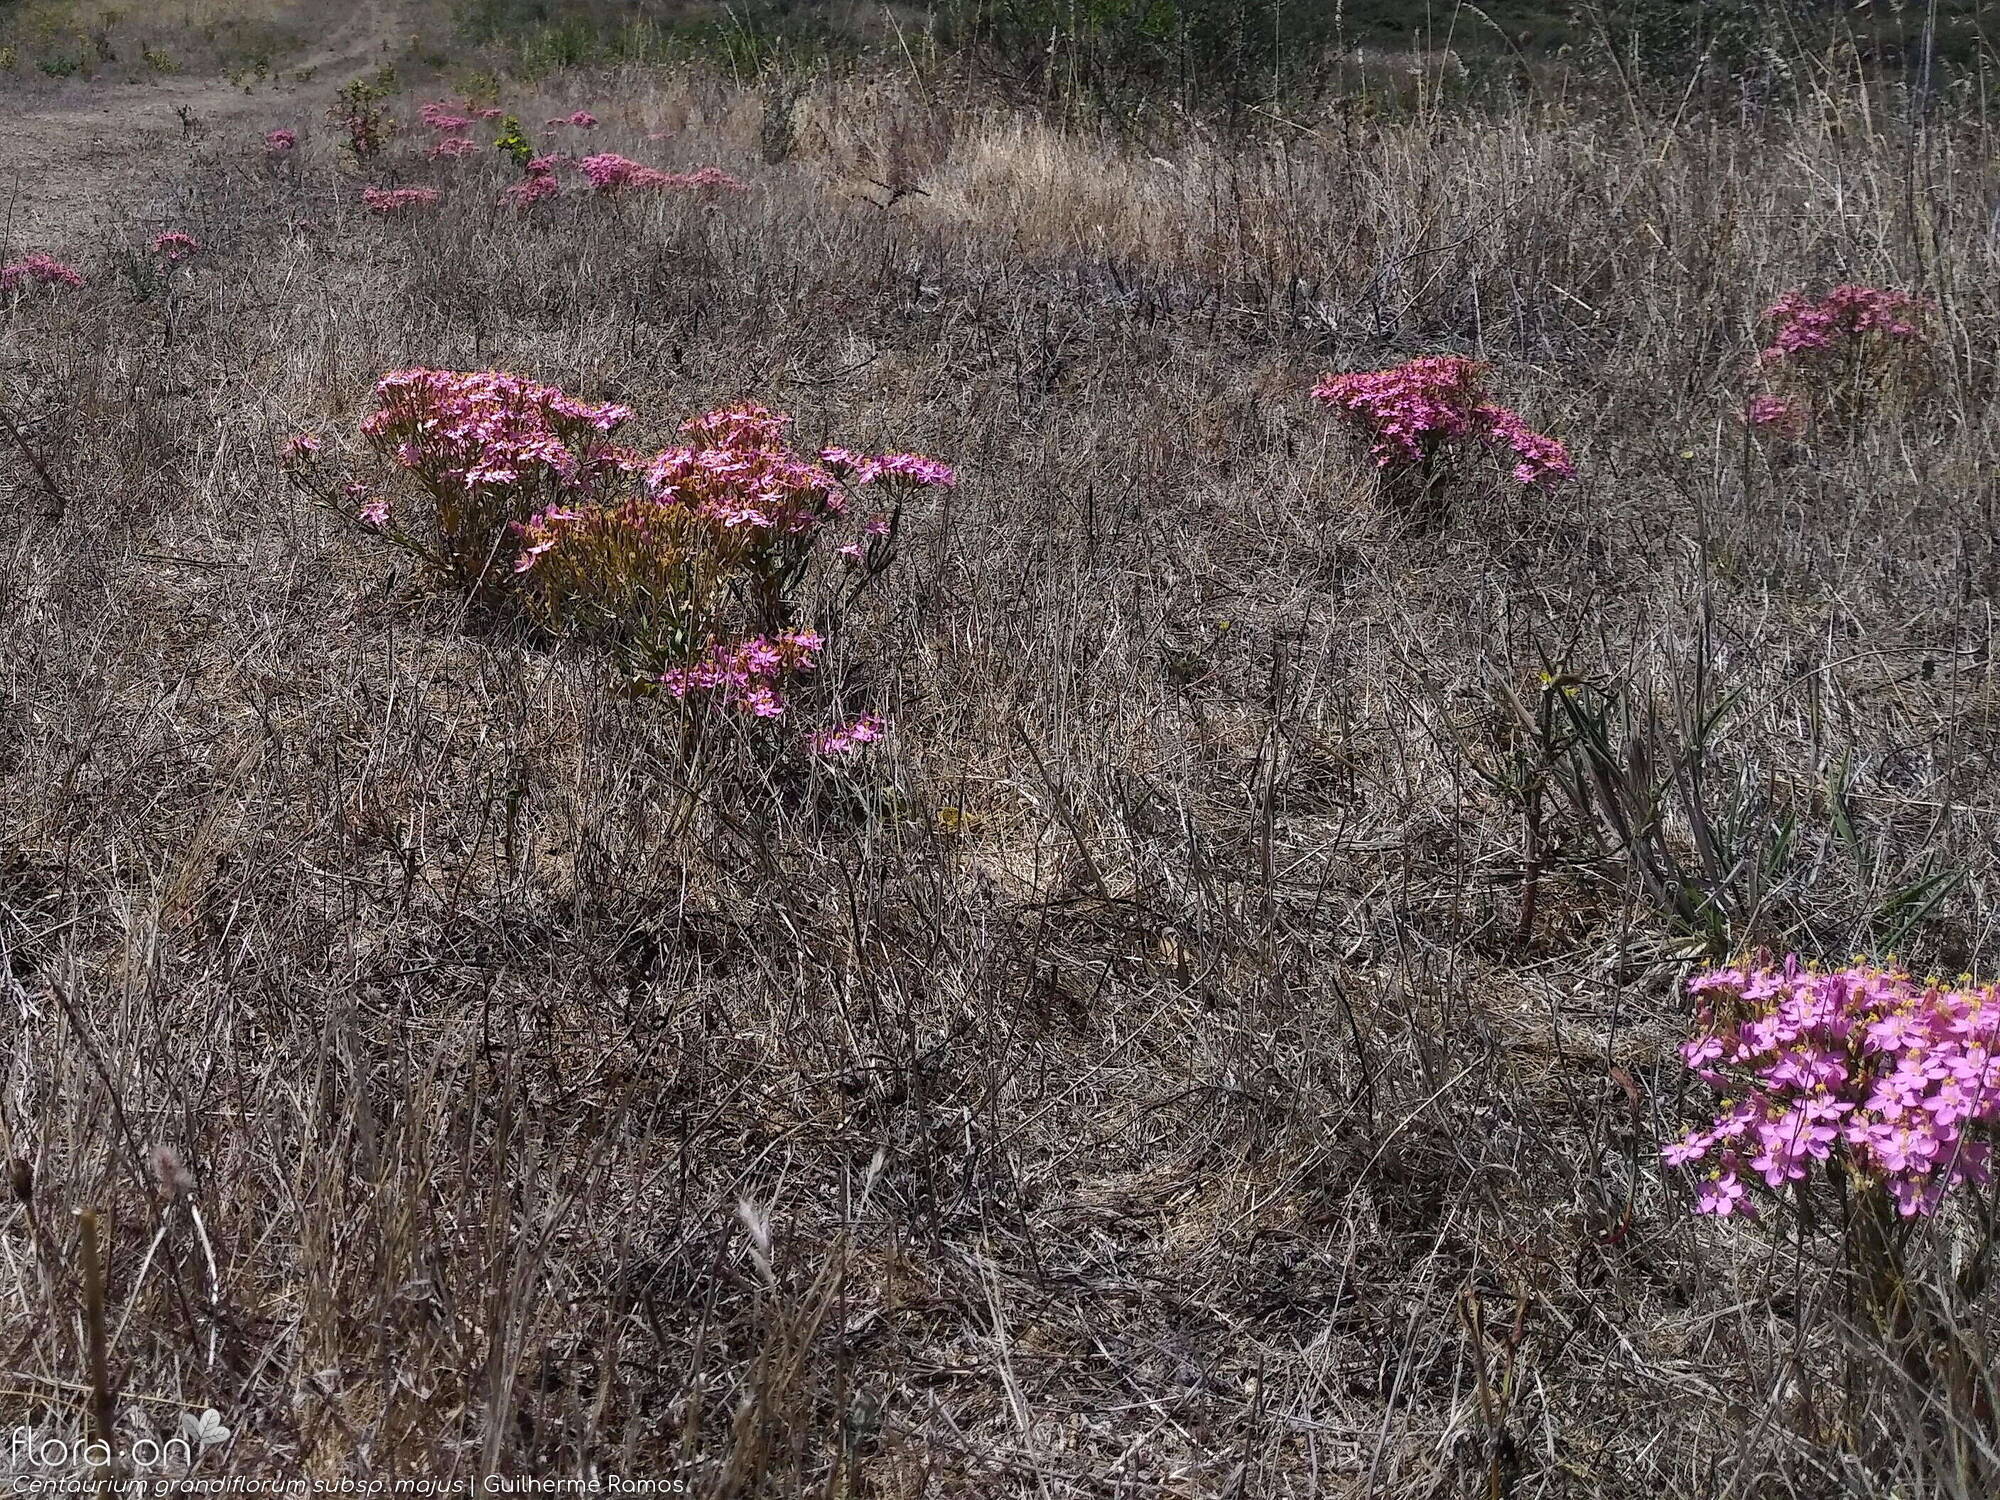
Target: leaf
{"type": "Point", "coordinates": [206, 1429]}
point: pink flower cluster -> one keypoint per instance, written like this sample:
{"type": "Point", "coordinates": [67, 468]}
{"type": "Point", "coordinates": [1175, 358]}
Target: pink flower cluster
{"type": "Point", "coordinates": [452, 146]}
{"type": "Point", "coordinates": [41, 269]}
{"type": "Point", "coordinates": [1413, 409]}
{"type": "Point", "coordinates": [1896, 1077]}
{"type": "Point", "coordinates": [174, 245]}
{"type": "Point", "coordinates": [278, 142]}
{"type": "Point", "coordinates": [863, 731]}
{"type": "Point", "coordinates": [540, 183]}
{"type": "Point", "coordinates": [583, 119]}
{"type": "Point", "coordinates": [487, 429]}
{"type": "Point", "coordinates": [394, 200]}
{"type": "Point", "coordinates": [443, 116]}
{"type": "Point", "coordinates": [1779, 413]}
{"type": "Point", "coordinates": [300, 448]}
{"type": "Point", "coordinates": [611, 173]}
{"type": "Point", "coordinates": [745, 675]}
{"type": "Point", "coordinates": [861, 468]}
{"type": "Point", "coordinates": [1845, 315]}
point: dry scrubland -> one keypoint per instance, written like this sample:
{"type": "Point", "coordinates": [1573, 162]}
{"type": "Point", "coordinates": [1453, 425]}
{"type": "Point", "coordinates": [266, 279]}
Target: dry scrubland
{"type": "Point", "coordinates": [1137, 1076]}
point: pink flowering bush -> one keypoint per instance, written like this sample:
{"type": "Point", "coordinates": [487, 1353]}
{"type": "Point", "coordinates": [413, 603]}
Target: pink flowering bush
{"type": "Point", "coordinates": [278, 142]}
{"type": "Point", "coordinates": [488, 450]}
{"type": "Point", "coordinates": [540, 183]}
{"type": "Point", "coordinates": [692, 563]}
{"type": "Point", "coordinates": [609, 172]}
{"type": "Point", "coordinates": [1892, 1081]}
{"type": "Point", "coordinates": [38, 270]}
{"type": "Point", "coordinates": [452, 147]}
{"type": "Point", "coordinates": [175, 246]}
{"type": "Point", "coordinates": [386, 201]}
{"type": "Point", "coordinates": [1837, 356]}
{"type": "Point", "coordinates": [1416, 413]}
{"type": "Point", "coordinates": [583, 119]}
{"type": "Point", "coordinates": [445, 116]}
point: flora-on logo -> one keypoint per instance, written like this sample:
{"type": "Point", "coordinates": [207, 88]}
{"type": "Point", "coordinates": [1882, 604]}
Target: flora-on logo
{"type": "Point", "coordinates": [26, 1449]}
{"type": "Point", "coordinates": [206, 1430]}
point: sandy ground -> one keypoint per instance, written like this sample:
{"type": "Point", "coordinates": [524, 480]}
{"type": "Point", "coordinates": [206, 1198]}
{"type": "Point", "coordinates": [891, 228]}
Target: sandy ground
{"type": "Point", "coordinates": [82, 154]}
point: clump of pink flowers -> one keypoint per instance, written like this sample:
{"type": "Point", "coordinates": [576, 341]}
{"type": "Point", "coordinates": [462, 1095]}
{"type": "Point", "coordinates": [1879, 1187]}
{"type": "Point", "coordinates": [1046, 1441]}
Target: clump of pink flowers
{"type": "Point", "coordinates": [1834, 356]}
{"type": "Point", "coordinates": [40, 270]}
{"type": "Point", "coordinates": [693, 563]}
{"type": "Point", "coordinates": [378, 200]}
{"type": "Point", "coordinates": [490, 449]}
{"type": "Point", "coordinates": [278, 142]}
{"type": "Point", "coordinates": [444, 116]}
{"type": "Point", "coordinates": [452, 146]}
{"type": "Point", "coordinates": [174, 246]}
{"type": "Point", "coordinates": [849, 737]}
{"type": "Point", "coordinates": [1414, 411]}
{"type": "Point", "coordinates": [540, 183]}
{"type": "Point", "coordinates": [1896, 1079]}
{"type": "Point", "coordinates": [582, 119]}
{"type": "Point", "coordinates": [611, 173]}
{"type": "Point", "coordinates": [1844, 318]}
{"type": "Point", "coordinates": [744, 676]}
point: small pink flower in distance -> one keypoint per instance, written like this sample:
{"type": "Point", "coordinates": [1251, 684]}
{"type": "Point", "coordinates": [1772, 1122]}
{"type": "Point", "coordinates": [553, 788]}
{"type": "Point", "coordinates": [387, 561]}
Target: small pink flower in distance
{"type": "Point", "coordinates": [393, 200]}
{"type": "Point", "coordinates": [278, 142]}
{"type": "Point", "coordinates": [582, 119]}
{"type": "Point", "coordinates": [298, 449]}
{"type": "Point", "coordinates": [491, 112]}
{"type": "Point", "coordinates": [452, 146]}
{"type": "Point", "coordinates": [852, 554]}
{"type": "Point", "coordinates": [530, 191]}
{"type": "Point", "coordinates": [442, 116]}
{"type": "Point", "coordinates": [174, 245]}
{"type": "Point", "coordinates": [863, 731]}
{"type": "Point", "coordinates": [1775, 412]}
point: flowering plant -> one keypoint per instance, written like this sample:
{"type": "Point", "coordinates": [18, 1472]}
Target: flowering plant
{"type": "Point", "coordinates": [175, 246]}
{"type": "Point", "coordinates": [358, 110]}
{"type": "Point", "coordinates": [1416, 411]}
{"type": "Point", "coordinates": [1896, 1080]}
{"type": "Point", "coordinates": [394, 200]}
{"type": "Point", "coordinates": [611, 173]}
{"type": "Point", "coordinates": [690, 563]}
{"type": "Point", "coordinates": [38, 269]}
{"type": "Point", "coordinates": [278, 142]}
{"type": "Point", "coordinates": [1836, 355]}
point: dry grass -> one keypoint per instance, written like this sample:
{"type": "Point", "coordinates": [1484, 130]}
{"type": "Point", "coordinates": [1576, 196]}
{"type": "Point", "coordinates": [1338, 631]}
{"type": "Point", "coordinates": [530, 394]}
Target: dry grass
{"type": "Point", "coordinates": [1133, 1081]}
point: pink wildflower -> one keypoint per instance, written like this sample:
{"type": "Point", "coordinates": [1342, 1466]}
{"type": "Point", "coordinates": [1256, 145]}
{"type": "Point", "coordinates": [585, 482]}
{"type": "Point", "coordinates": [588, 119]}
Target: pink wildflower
{"type": "Point", "coordinates": [1843, 316]}
{"type": "Point", "coordinates": [443, 116]}
{"type": "Point", "coordinates": [1414, 409]}
{"type": "Point", "coordinates": [301, 447]}
{"type": "Point", "coordinates": [40, 269]}
{"type": "Point", "coordinates": [1778, 413]}
{"type": "Point", "coordinates": [530, 190]}
{"type": "Point", "coordinates": [174, 245]}
{"type": "Point", "coordinates": [863, 731]}
{"type": "Point", "coordinates": [583, 119]}
{"type": "Point", "coordinates": [1863, 1063]}
{"type": "Point", "coordinates": [744, 676]}
{"type": "Point", "coordinates": [395, 200]}
{"type": "Point", "coordinates": [611, 173]}
{"type": "Point", "coordinates": [278, 142]}
{"type": "Point", "coordinates": [451, 147]}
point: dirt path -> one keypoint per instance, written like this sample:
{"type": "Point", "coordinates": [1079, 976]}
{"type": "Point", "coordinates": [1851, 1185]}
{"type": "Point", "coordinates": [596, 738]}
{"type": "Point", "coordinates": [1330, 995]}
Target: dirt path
{"type": "Point", "coordinates": [98, 151]}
